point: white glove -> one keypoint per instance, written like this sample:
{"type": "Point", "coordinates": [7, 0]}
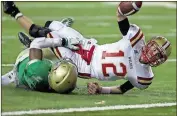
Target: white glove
{"type": "Point", "coordinates": [71, 43]}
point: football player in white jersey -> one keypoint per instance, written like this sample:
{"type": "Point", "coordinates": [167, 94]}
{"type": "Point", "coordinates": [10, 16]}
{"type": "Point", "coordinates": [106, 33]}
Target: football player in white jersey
{"type": "Point", "coordinates": [129, 58]}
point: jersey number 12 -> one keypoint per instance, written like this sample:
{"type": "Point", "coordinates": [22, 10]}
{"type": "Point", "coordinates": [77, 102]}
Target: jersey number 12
{"type": "Point", "coordinates": [111, 65]}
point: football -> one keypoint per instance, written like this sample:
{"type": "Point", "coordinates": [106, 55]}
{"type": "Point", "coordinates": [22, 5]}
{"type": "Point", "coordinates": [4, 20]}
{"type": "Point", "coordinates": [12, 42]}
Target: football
{"type": "Point", "coordinates": [129, 8]}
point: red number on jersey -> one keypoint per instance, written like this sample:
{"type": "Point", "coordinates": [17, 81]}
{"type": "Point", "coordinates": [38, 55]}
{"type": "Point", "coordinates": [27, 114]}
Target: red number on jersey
{"type": "Point", "coordinates": [111, 65]}
{"type": "Point", "coordinates": [85, 54]}
{"type": "Point", "coordinates": [119, 54]}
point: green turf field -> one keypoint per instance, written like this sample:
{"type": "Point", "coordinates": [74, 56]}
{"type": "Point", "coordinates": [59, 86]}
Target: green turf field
{"type": "Point", "coordinates": [97, 20]}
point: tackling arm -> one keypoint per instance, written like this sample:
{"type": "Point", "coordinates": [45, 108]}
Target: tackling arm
{"type": "Point", "coordinates": [39, 43]}
{"type": "Point", "coordinates": [43, 42]}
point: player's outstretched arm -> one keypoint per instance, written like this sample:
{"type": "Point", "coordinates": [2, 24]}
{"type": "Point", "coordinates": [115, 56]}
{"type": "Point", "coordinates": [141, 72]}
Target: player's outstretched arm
{"type": "Point", "coordinates": [124, 9]}
{"type": "Point", "coordinates": [123, 22]}
{"type": "Point", "coordinates": [34, 30]}
{"type": "Point", "coordinates": [95, 88]}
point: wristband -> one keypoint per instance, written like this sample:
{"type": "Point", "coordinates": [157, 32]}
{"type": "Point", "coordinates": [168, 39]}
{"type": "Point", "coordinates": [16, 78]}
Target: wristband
{"type": "Point", "coordinates": [18, 15]}
{"type": "Point", "coordinates": [106, 90]}
{"type": "Point", "coordinates": [126, 86]}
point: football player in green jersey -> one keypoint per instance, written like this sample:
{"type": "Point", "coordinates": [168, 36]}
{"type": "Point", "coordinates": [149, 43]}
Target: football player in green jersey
{"type": "Point", "coordinates": [34, 72]}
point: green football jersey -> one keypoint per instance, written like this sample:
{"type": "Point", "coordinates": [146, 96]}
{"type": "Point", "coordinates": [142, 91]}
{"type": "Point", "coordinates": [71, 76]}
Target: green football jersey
{"type": "Point", "coordinates": [34, 74]}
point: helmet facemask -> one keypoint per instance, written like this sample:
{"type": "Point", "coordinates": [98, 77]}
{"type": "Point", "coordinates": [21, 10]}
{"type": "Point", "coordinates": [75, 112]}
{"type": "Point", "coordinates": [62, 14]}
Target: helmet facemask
{"type": "Point", "coordinates": [153, 53]}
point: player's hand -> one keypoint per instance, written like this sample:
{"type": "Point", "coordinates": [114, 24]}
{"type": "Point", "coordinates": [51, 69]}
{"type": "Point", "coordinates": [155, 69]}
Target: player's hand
{"type": "Point", "coordinates": [71, 43]}
{"type": "Point", "coordinates": [10, 8]}
{"type": "Point", "coordinates": [93, 88]}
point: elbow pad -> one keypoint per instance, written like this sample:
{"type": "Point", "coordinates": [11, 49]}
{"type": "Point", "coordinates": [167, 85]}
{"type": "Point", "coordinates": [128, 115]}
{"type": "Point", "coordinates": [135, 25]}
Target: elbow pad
{"type": "Point", "coordinates": [37, 31]}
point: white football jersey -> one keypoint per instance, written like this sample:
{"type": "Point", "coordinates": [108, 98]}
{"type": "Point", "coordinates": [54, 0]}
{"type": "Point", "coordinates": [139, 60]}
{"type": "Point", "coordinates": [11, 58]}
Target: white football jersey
{"type": "Point", "coordinates": [82, 58]}
{"type": "Point", "coordinates": [119, 60]}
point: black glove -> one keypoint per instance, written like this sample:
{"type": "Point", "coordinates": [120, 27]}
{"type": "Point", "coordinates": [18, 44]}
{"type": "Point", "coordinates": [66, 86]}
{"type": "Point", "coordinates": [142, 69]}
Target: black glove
{"type": "Point", "coordinates": [10, 8]}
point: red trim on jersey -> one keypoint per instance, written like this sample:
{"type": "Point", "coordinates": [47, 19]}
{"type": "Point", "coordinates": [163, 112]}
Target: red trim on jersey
{"type": "Point", "coordinates": [144, 83]}
{"type": "Point", "coordinates": [58, 51]}
{"type": "Point", "coordinates": [84, 74]}
{"type": "Point", "coordinates": [138, 40]}
{"type": "Point", "coordinates": [135, 36]}
{"type": "Point", "coordinates": [145, 78]}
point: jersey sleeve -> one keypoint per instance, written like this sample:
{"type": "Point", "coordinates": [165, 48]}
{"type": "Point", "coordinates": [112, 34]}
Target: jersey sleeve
{"type": "Point", "coordinates": [141, 82]}
{"type": "Point", "coordinates": [134, 35]}
{"type": "Point", "coordinates": [143, 79]}
{"type": "Point", "coordinates": [54, 25]}
{"type": "Point", "coordinates": [36, 74]}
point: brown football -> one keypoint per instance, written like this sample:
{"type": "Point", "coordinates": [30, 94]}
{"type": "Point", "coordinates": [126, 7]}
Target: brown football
{"type": "Point", "coordinates": [129, 8]}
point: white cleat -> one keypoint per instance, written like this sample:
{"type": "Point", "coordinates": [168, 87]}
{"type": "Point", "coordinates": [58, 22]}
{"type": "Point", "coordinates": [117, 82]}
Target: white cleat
{"type": "Point", "coordinates": [8, 78]}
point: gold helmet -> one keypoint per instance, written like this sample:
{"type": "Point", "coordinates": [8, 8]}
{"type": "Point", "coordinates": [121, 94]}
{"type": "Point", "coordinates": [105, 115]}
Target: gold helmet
{"type": "Point", "coordinates": [63, 76]}
{"type": "Point", "coordinates": [156, 51]}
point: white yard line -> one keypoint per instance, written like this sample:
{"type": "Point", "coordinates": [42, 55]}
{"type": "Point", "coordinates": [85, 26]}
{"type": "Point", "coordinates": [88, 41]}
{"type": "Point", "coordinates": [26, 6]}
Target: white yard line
{"type": "Point", "coordinates": [116, 107]}
{"type": "Point", "coordinates": [10, 65]}
{"type": "Point", "coordinates": [7, 65]}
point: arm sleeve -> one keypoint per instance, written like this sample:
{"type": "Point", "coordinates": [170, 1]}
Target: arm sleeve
{"type": "Point", "coordinates": [43, 42]}
{"type": "Point", "coordinates": [124, 26]}
{"type": "Point", "coordinates": [126, 87]}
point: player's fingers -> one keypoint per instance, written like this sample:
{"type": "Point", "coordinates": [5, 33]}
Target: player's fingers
{"type": "Point", "coordinates": [90, 91]}
{"type": "Point", "coordinates": [89, 84]}
{"type": "Point", "coordinates": [94, 86]}
{"type": "Point", "coordinates": [93, 89]}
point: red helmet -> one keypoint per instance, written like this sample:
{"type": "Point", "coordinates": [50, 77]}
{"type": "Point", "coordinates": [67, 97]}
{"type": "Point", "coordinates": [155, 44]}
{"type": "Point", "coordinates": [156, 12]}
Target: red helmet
{"type": "Point", "coordinates": [156, 51]}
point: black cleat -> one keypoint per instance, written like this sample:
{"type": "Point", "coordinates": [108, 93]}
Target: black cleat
{"type": "Point", "coordinates": [24, 39]}
{"type": "Point", "coordinates": [68, 22]}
